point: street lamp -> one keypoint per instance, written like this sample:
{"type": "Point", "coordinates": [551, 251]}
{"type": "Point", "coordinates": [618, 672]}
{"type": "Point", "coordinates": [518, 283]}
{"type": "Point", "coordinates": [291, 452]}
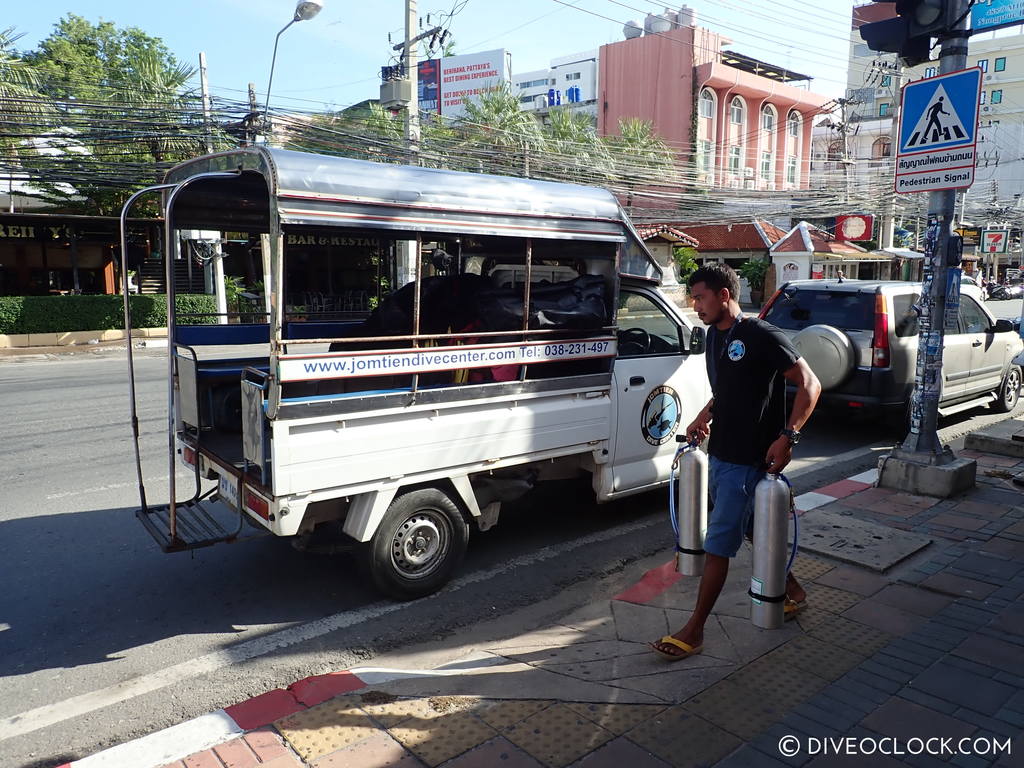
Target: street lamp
{"type": "Point", "coordinates": [304, 10]}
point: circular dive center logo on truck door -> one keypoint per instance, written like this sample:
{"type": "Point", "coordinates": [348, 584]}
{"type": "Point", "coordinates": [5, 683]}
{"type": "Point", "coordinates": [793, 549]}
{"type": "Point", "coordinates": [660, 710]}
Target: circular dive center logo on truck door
{"type": "Point", "coordinates": [660, 416]}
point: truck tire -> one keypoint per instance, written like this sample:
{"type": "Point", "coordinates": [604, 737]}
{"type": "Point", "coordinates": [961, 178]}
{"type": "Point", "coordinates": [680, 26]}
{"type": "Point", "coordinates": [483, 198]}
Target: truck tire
{"type": "Point", "coordinates": [418, 545]}
{"type": "Point", "coordinates": [1009, 391]}
{"type": "Point", "coordinates": [829, 353]}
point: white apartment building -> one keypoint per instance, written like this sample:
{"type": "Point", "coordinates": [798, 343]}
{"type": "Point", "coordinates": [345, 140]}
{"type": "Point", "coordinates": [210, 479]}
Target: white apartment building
{"type": "Point", "coordinates": [569, 81]}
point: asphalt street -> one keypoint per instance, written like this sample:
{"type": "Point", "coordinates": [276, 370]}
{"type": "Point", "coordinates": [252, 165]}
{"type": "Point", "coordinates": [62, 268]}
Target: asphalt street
{"type": "Point", "coordinates": [104, 638]}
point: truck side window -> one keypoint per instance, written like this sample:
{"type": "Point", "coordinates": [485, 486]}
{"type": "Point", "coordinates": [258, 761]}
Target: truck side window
{"type": "Point", "coordinates": [644, 327]}
{"type": "Point", "coordinates": [972, 317]}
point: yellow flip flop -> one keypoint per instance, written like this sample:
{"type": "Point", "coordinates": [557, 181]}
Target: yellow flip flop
{"type": "Point", "coordinates": [791, 608]}
{"type": "Point", "coordinates": [687, 649]}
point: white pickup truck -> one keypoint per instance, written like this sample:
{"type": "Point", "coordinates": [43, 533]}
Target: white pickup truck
{"type": "Point", "coordinates": [525, 338]}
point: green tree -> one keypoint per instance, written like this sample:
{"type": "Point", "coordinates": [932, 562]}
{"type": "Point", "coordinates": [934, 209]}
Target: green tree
{"type": "Point", "coordinates": [21, 105]}
{"type": "Point", "coordinates": [575, 152]}
{"type": "Point", "coordinates": [497, 132]}
{"type": "Point", "coordinates": [125, 114]}
{"type": "Point", "coordinates": [639, 156]}
{"type": "Point", "coordinates": [686, 264]}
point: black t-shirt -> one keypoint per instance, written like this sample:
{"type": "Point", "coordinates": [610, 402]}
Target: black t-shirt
{"type": "Point", "coordinates": [745, 365]}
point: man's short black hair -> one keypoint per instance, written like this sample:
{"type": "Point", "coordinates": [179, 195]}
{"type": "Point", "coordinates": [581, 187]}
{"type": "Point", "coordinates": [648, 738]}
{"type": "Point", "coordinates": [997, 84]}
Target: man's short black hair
{"type": "Point", "coordinates": [717, 276]}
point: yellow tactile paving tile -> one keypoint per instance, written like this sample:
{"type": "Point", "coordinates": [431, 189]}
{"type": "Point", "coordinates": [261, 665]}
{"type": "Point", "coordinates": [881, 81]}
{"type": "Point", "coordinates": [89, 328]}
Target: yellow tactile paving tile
{"type": "Point", "coordinates": [327, 727]}
{"type": "Point", "coordinates": [808, 568]}
{"type": "Point", "coordinates": [557, 736]}
{"type": "Point", "coordinates": [394, 712]}
{"type": "Point", "coordinates": [502, 714]}
{"type": "Point", "coordinates": [830, 599]}
{"type": "Point", "coordinates": [443, 737]}
{"type": "Point", "coordinates": [617, 718]}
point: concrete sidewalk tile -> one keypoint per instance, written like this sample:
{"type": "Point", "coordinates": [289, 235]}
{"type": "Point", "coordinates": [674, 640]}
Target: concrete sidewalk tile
{"type": "Point", "coordinates": [391, 710]}
{"type": "Point", "coordinates": [558, 736]}
{"type": "Point", "coordinates": [236, 754]}
{"type": "Point", "coordinates": [980, 509]}
{"type": "Point", "coordinates": [595, 650]}
{"type": "Point", "coordinates": [266, 743]}
{"type": "Point", "coordinates": [437, 739]}
{"type": "Point", "coordinates": [927, 700]}
{"type": "Point", "coordinates": [748, 757]}
{"type": "Point", "coordinates": [851, 635]}
{"type": "Point", "coordinates": [906, 598]}
{"type": "Point", "coordinates": [1005, 548]}
{"type": "Point", "coordinates": [872, 680]}
{"type": "Point", "coordinates": [327, 727]}
{"type": "Point", "coordinates": [751, 642]}
{"type": "Point", "coordinates": [809, 654]}
{"type": "Point", "coordinates": [972, 666]}
{"type": "Point", "coordinates": [548, 637]}
{"type": "Point", "coordinates": [717, 643]}
{"type": "Point", "coordinates": [986, 565]}
{"type": "Point", "coordinates": [497, 751]}
{"type": "Point", "coordinates": [1016, 702]}
{"type": "Point", "coordinates": [855, 761]}
{"type": "Point", "coordinates": [961, 522]}
{"type": "Point", "coordinates": [957, 685]}
{"type": "Point", "coordinates": [776, 677]}
{"type": "Point", "coordinates": [957, 585]}
{"type": "Point", "coordinates": [291, 761]}
{"type": "Point", "coordinates": [593, 619]}
{"type": "Point", "coordinates": [857, 691]}
{"type": "Point", "coordinates": [894, 672]}
{"type": "Point", "coordinates": [1010, 620]}
{"type": "Point", "coordinates": [376, 751]}
{"type": "Point", "coordinates": [887, 618]}
{"type": "Point", "coordinates": [617, 718]}
{"type": "Point", "coordinates": [914, 500]}
{"type": "Point", "coordinates": [683, 739]}
{"type": "Point", "coordinates": [844, 488]}
{"type": "Point", "coordinates": [737, 708]}
{"type": "Point", "coordinates": [618, 753]}
{"type": "Point", "coordinates": [907, 649]}
{"type": "Point", "coordinates": [831, 713]}
{"type": "Point", "coordinates": [676, 684]}
{"type": "Point", "coordinates": [1011, 717]}
{"type": "Point", "coordinates": [893, 660]}
{"type": "Point", "coordinates": [811, 616]}
{"type": "Point", "coordinates": [988, 725]}
{"type": "Point", "coordinates": [639, 623]}
{"type": "Point", "coordinates": [768, 742]}
{"type": "Point", "coordinates": [636, 665]}
{"type": "Point", "coordinates": [904, 719]}
{"type": "Point", "coordinates": [852, 579]}
{"type": "Point", "coordinates": [503, 714]}
{"type": "Point", "coordinates": [204, 759]}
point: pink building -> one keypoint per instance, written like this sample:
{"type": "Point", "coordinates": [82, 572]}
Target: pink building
{"type": "Point", "coordinates": [739, 120]}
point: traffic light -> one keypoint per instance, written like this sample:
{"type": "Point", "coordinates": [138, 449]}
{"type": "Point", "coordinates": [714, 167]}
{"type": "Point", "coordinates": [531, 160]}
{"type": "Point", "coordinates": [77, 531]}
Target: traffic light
{"type": "Point", "coordinates": [909, 33]}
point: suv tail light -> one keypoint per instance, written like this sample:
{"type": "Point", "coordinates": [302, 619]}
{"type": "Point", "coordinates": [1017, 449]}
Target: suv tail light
{"type": "Point", "coordinates": [880, 357]}
{"type": "Point", "coordinates": [767, 307]}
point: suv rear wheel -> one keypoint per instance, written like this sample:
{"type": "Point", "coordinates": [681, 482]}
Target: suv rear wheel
{"type": "Point", "coordinates": [1009, 391]}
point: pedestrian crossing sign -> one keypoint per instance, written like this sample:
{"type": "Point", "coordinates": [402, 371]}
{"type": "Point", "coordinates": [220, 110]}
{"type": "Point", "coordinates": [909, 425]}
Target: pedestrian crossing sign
{"type": "Point", "coordinates": [938, 132]}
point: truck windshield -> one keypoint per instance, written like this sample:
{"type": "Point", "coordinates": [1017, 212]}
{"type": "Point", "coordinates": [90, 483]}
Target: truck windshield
{"type": "Point", "coordinates": [798, 308]}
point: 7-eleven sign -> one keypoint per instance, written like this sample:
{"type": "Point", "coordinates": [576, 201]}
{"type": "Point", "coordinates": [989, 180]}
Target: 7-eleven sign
{"type": "Point", "coordinates": [995, 240]}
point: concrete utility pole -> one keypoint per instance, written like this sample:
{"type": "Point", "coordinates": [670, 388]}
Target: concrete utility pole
{"type": "Point", "coordinates": [411, 62]}
{"type": "Point", "coordinates": [887, 229]}
{"type": "Point", "coordinates": [204, 86]}
{"type": "Point", "coordinates": [921, 464]}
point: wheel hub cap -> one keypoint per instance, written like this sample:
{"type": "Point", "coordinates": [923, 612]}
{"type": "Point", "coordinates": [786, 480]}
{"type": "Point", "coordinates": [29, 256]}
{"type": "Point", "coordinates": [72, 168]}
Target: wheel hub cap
{"type": "Point", "coordinates": [417, 543]}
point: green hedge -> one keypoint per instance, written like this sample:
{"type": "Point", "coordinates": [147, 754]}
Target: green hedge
{"type": "Point", "coordinates": [60, 314]}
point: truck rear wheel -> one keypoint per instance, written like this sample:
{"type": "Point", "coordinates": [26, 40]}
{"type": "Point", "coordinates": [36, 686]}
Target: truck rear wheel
{"type": "Point", "coordinates": [418, 545]}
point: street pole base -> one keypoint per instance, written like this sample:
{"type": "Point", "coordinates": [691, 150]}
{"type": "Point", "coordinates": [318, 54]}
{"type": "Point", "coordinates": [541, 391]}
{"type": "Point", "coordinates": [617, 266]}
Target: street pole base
{"type": "Point", "coordinates": [941, 475]}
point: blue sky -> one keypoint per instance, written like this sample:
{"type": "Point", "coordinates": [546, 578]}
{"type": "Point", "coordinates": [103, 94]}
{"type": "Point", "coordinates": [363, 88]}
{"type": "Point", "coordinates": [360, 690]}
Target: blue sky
{"type": "Point", "coordinates": [334, 59]}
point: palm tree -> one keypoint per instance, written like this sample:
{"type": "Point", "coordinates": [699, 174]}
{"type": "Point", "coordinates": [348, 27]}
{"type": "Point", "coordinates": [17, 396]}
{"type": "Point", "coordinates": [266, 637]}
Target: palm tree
{"type": "Point", "coordinates": [575, 152]}
{"type": "Point", "coordinates": [21, 103]}
{"type": "Point", "coordinates": [639, 155]}
{"type": "Point", "coordinates": [496, 128]}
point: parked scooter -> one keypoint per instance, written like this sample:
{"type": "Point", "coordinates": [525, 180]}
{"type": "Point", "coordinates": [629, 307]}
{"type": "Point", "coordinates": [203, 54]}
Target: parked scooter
{"type": "Point", "coordinates": [1005, 292]}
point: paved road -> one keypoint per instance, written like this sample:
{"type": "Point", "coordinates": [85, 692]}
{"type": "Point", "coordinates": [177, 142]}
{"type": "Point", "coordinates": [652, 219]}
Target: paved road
{"type": "Point", "coordinates": [89, 602]}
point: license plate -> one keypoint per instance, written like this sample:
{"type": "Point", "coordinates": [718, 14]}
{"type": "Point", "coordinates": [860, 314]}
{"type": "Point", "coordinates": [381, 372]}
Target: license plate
{"type": "Point", "coordinates": [227, 490]}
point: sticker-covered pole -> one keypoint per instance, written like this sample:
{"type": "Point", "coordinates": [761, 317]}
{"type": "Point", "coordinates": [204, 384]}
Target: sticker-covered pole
{"type": "Point", "coordinates": [922, 443]}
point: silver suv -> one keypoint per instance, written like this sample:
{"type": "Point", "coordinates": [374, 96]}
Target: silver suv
{"type": "Point", "coordinates": [860, 338]}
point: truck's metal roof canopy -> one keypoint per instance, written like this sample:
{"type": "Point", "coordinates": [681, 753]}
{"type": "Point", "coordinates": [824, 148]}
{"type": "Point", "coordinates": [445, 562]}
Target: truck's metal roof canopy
{"type": "Point", "coordinates": [321, 190]}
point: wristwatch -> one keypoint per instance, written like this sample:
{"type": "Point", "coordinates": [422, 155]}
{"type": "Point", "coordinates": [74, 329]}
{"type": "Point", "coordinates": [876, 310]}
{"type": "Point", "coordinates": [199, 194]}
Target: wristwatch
{"type": "Point", "coordinates": [792, 434]}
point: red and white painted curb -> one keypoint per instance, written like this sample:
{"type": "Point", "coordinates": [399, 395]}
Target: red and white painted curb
{"type": "Point", "coordinates": [210, 730]}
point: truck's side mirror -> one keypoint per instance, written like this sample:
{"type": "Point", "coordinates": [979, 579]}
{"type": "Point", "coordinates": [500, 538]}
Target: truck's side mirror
{"type": "Point", "coordinates": [698, 340]}
{"type": "Point", "coordinates": [1003, 326]}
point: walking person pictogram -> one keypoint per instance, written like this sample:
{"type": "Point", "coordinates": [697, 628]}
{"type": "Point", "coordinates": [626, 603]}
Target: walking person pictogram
{"type": "Point", "coordinates": [933, 119]}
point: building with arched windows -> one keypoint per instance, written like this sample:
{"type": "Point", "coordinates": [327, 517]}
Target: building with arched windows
{"type": "Point", "coordinates": [743, 123]}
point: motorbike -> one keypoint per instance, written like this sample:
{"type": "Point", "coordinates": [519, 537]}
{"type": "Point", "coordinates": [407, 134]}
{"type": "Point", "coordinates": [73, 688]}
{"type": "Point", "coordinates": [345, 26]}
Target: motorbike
{"type": "Point", "coordinates": [1005, 292]}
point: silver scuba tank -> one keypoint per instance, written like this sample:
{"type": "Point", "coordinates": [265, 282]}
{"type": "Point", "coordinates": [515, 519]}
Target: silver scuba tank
{"type": "Point", "coordinates": [692, 505]}
{"type": "Point", "coordinates": [768, 572]}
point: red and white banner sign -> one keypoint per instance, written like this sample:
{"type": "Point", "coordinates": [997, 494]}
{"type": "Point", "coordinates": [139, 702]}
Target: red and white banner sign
{"type": "Point", "coordinates": [855, 227]}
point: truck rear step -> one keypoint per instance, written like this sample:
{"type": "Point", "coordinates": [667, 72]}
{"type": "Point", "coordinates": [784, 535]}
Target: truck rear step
{"type": "Point", "coordinates": [196, 525]}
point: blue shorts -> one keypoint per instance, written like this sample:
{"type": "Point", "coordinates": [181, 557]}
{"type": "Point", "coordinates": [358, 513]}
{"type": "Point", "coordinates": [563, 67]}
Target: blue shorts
{"type": "Point", "coordinates": [732, 490]}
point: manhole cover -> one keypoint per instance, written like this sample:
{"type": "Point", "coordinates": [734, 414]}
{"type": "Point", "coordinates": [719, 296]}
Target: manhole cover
{"type": "Point", "coordinates": [855, 541]}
